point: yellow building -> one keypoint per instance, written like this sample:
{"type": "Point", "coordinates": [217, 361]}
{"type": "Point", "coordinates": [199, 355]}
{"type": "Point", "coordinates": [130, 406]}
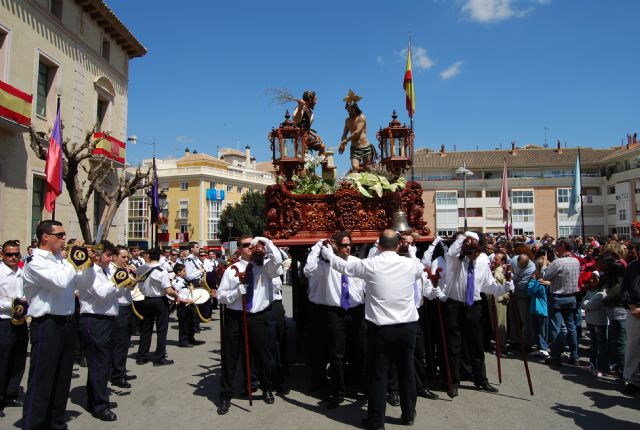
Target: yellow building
{"type": "Point", "coordinates": [80, 51]}
{"type": "Point", "coordinates": [198, 187]}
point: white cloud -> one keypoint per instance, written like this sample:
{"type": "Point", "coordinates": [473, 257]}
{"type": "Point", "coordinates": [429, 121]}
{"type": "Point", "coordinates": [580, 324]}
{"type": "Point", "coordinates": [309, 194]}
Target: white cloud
{"type": "Point", "coordinates": [451, 71]}
{"type": "Point", "coordinates": [380, 60]}
{"type": "Point", "coordinates": [488, 11]}
{"type": "Point", "coordinates": [419, 57]}
{"type": "Point", "coordinates": [184, 139]}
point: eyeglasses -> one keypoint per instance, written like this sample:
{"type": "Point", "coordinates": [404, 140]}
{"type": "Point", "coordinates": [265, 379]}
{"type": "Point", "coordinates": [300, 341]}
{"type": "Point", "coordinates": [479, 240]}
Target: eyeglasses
{"type": "Point", "coordinates": [60, 235]}
{"type": "Point", "coordinates": [245, 245]}
{"type": "Point", "coordinates": [344, 245]}
{"type": "Point", "coordinates": [12, 254]}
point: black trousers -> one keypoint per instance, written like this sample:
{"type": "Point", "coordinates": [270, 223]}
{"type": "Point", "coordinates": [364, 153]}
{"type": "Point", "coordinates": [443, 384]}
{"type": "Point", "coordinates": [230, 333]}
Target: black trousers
{"type": "Point", "coordinates": [345, 341]}
{"type": "Point", "coordinates": [13, 358]}
{"type": "Point", "coordinates": [96, 332]}
{"type": "Point", "coordinates": [390, 344]}
{"type": "Point", "coordinates": [464, 324]}
{"type": "Point", "coordinates": [281, 361]}
{"type": "Point", "coordinates": [156, 310]}
{"type": "Point", "coordinates": [262, 344]}
{"type": "Point", "coordinates": [419, 363]}
{"type": "Point", "coordinates": [186, 325]}
{"type": "Point", "coordinates": [53, 345]}
{"type": "Point", "coordinates": [120, 340]}
{"type": "Point", "coordinates": [318, 357]}
{"type": "Point", "coordinates": [136, 323]}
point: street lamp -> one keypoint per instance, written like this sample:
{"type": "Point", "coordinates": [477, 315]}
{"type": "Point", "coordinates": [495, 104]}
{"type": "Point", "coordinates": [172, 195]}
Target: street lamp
{"type": "Point", "coordinates": [464, 172]}
{"type": "Point", "coordinates": [230, 229]}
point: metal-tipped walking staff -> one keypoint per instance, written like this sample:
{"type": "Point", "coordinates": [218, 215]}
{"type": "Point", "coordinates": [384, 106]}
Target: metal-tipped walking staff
{"type": "Point", "coordinates": [495, 324]}
{"type": "Point", "coordinates": [434, 280]}
{"type": "Point", "coordinates": [241, 276]}
{"type": "Point", "coordinates": [523, 351]}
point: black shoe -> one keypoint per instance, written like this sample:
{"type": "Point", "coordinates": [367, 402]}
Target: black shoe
{"type": "Point", "coordinates": [268, 397]}
{"type": "Point", "coordinates": [197, 342]}
{"type": "Point", "coordinates": [393, 399]}
{"type": "Point", "coordinates": [630, 389]}
{"type": "Point", "coordinates": [121, 383]}
{"type": "Point", "coordinates": [427, 394]}
{"type": "Point", "coordinates": [105, 415]}
{"type": "Point", "coordinates": [453, 392]}
{"type": "Point", "coordinates": [163, 362]}
{"type": "Point", "coordinates": [185, 345]}
{"type": "Point", "coordinates": [12, 403]}
{"type": "Point", "coordinates": [130, 377]}
{"type": "Point", "coordinates": [408, 421]}
{"type": "Point", "coordinates": [335, 402]}
{"type": "Point", "coordinates": [141, 361]}
{"type": "Point", "coordinates": [485, 386]}
{"type": "Point", "coordinates": [2, 414]}
{"type": "Point", "coordinates": [224, 406]}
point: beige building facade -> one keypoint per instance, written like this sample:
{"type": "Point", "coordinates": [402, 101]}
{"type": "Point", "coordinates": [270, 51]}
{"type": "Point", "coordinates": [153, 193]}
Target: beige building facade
{"type": "Point", "coordinates": [78, 51]}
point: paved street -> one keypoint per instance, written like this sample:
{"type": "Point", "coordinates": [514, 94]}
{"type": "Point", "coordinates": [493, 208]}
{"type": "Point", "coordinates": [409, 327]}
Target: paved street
{"type": "Point", "coordinates": [185, 395]}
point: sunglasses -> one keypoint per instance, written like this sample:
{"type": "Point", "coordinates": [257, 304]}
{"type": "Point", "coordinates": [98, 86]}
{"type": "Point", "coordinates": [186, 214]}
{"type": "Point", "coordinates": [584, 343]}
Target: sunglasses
{"type": "Point", "coordinates": [245, 245]}
{"type": "Point", "coordinates": [344, 245]}
{"type": "Point", "coordinates": [12, 254]}
{"type": "Point", "coordinates": [60, 235]}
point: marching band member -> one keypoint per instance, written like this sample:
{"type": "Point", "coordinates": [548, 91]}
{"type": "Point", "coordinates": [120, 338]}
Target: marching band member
{"type": "Point", "coordinates": [259, 263]}
{"type": "Point", "coordinates": [14, 334]}
{"type": "Point", "coordinates": [121, 336]}
{"type": "Point", "coordinates": [193, 264]}
{"type": "Point", "coordinates": [136, 259]}
{"type": "Point", "coordinates": [184, 304]}
{"type": "Point", "coordinates": [98, 309]}
{"type": "Point", "coordinates": [49, 285]}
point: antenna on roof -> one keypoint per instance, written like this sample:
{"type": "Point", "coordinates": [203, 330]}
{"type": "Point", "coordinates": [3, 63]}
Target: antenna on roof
{"type": "Point", "coordinates": [546, 145]}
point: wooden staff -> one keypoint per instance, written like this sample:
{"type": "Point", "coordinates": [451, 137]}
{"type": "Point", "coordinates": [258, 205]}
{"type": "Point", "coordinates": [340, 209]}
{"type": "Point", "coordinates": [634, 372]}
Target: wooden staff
{"type": "Point", "coordinates": [523, 351]}
{"type": "Point", "coordinates": [495, 322]}
{"type": "Point", "coordinates": [434, 280]}
{"type": "Point", "coordinates": [241, 276]}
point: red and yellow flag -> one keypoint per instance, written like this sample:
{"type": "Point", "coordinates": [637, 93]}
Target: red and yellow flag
{"type": "Point", "coordinates": [408, 86]}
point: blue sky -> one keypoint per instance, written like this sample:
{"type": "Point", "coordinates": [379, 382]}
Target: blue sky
{"type": "Point", "coordinates": [486, 72]}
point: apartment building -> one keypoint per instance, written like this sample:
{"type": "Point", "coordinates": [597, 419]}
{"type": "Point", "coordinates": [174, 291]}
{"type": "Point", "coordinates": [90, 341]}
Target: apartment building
{"type": "Point", "coordinates": [78, 51]}
{"type": "Point", "coordinates": [540, 182]}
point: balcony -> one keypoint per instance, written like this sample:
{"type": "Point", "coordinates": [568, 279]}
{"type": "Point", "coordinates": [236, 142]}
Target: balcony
{"type": "Point", "coordinates": [182, 237]}
{"type": "Point", "coordinates": [182, 214]}
{"type": "Point", "coordinates": [15, 108]}
{"type": "Point", "coordinates": [163, 237]}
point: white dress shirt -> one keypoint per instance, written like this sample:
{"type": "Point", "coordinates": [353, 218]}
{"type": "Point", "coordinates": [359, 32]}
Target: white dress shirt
{"type": "Point", "coordinates": [10, 288]}
{"type": "Point", "coordinates": [180, 285]}
{"type": "Point", "coordinates": [325, 283]}
{"type": "Point", "coordinates": [457, 269]}
{"type": "Point", "coordinates": [389, 281]}
{"type": "Point", "coordinates": [124, 294]}
{"type": "Point", "coordinates": [100, 297]}
{"type": "Point", "coordinates": [156, 283]}
{"type": "Point", "coordinates": [229, 294]}
{"type": "Point", "coordinates": [209, 264]}
{"type": "Point", "coordinates": [50, 283]}
{"type": "Point", "coordinates": [193, 265]}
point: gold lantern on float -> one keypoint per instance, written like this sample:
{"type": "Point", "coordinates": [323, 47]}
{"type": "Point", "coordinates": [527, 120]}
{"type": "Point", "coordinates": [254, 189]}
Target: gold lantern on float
{"type": "Point", "coordinates": [288, 146]}
{"type": "Point", "coordinates": [396, 146]}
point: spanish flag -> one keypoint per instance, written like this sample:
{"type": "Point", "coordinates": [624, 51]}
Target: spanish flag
{"type": "Point", "coordinates": [408, 86]}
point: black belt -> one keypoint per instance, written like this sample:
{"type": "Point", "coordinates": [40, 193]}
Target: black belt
{"type": "Point", "coordinates": [98, 316]}
{"type": "Point", "coordinates": [267, 309]}
{"type": "Point", "coordinates": [61, 318]}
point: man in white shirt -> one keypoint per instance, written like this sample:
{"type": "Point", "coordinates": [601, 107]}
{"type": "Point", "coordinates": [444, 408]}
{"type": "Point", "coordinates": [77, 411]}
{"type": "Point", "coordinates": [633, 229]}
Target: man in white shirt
{"type": "Point", "coordinates": [343, 300]}
{"type": "Point", "coordinates": [155, 287]}
{"type": "Point", "coordinates": [98, 309]}
{"type": "Point", "coordinates": [136, 259]}
{"type": "Point", "coordinates": [121, 336]}
{"type": "Point", "coordinates": [391, 317]}
{"type": "Point", "coordinates": [468, 274]}
{"type": "Point", "coordinates": [13, 337]}
{"type": "Point", "coordinates": [49, 284]}
{"type": "Point", "coordinates": [260, 261]}
{"type": "Point", "coordinates": [193, 264]}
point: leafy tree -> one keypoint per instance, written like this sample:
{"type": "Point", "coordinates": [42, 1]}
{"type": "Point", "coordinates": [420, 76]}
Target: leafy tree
{"type": "Point", "coordinates": [247, 217]}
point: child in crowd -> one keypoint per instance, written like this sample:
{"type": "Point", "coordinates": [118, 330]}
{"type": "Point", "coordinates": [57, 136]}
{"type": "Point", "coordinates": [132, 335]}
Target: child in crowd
{"type": "Point", "coordinates": [596, 318]}
{"type": "Point", "coordinates": [184, 310]}
{"type": "Point", "coordinates": [537, 291]}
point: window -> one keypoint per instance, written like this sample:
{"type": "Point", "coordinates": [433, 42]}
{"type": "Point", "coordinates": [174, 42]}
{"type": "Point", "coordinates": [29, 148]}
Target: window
{"type": "Point", "coordinates": [622, 215]}
{"type": "Point", "coordinates": [184, 185]}
{"type": "Point", "coordinates": [522, 197]}
{"type": "Point", "coordinates": [560, 173]}
{"type": "Point", "coordinates": [239, 190]}
{"type": "Point", "coordinates": [591, 191]}
{"type": "Point", "coordinates": [611, 190]}
{"type": "Point", "coordinates": [523, 215]}
{"type": "Point", "coordinates": [471, 212]}
{"type": "Point", "coordinates": [4, 47]}
{"type": "Point", "coordinates": [55, 7]}
{"type": "Point", "coordinates": [137, 228]}
{"type": "Point", "coordinates": [567, 231]}
{"type": "Point", "coordinates": [563, 195]}
{"type": "Point", "coordinates": [213, 219]}
{"type": "Point", "coordinates": [183, 213]}
{"type": "Point", "coordinates": [101, 114]}
{"type": "Point", "coordinates": [106, 48]}
{"type": "Point", "coordinates": [44, 85]}
{"type": "Point", "coordinates": [229, 188]}
{"type": "Point", "coordinates": [137, 207]}
{"type": "Point", "coordinates": [611, 209]}
{"type": "Point", "coordinates": [522, 232]}
{"type": "Point", "coordinates": [184, 228]}
{"type": "Point", "coordinates": [623, 232]}
{"type": "Point", "coordinates": [37, 204]}
{"type": "Point", "coordinates": [212, 184]}
{"type": "Point", "coordinates": [447, 233]}
{"type": "Point", "coordinates": [470, 194]}
{"type": "Point", "coordinates": [251, 189]}
{"type": "Point", "coordinates": [493, 193]}
{"type": "Point", "coordinates": [448, 198]}
{"type": "Point", "coordinates": [563, 214]}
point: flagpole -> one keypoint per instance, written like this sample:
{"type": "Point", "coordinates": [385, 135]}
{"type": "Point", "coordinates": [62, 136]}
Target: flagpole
{"type": "Point", "coordinates": [53, 213]}
{"type": "Point", "coordinates": [411, 116]}
{"type": "Point", "coordinates": [581, 203]}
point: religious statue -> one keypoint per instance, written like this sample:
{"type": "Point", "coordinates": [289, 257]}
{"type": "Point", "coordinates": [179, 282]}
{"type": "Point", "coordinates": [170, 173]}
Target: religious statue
{"type": "Point", "coordinates": [303, 118]}
{"type": "Point", "coordinates": [362, 151]}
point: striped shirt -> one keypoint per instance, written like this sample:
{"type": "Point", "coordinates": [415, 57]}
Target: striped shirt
{"type": "Point", "coordinates": [563, 273]}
